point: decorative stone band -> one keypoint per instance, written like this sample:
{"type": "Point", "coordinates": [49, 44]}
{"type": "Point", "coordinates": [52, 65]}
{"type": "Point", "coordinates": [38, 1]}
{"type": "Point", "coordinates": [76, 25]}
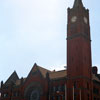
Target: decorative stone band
{"type": "Point", "coordinates": [79, 35]}
{"type": "Point", "coordinates": [79, 77]}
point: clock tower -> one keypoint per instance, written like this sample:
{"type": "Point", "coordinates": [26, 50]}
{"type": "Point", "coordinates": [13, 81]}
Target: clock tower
{"type": "Point", "coordinates": [79, 82]}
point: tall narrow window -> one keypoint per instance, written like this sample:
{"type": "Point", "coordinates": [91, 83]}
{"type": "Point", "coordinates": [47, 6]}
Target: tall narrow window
{"type": "Point", "coordinates": [75, 85]}
{"type": "Point", "coordinates": [54, 89]}
{"type": "Point", "coordinates": [88, 97]}
{"type": "Point", "coordinates": [53, 98]}
{"type": "Point", "coordinates": [87, 85]}
{"type": "Point", "coordinates": [58, 97]}
{"type": "Point", "coordinates": [63, 97]}
{"type": "Point", "coordinates": [63, 88]}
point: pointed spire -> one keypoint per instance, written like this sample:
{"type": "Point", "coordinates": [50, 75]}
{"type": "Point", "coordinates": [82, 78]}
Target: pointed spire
{"type": "Point", "coordinates": [78, 3]}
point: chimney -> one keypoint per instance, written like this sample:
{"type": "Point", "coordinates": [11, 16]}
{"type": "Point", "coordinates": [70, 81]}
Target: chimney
{"type": "Point", "coordinates": [1, 84]}
{"type": "Point", "coordinates": [22, 80]}
{"type": "Point", "coordinates": [95, 70]}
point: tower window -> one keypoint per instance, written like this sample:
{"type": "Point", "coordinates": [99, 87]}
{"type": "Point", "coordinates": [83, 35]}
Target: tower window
{"type": "Point", "coordinates": [75, 96]}
{"type": "Point", "coordinates": [87, 85]}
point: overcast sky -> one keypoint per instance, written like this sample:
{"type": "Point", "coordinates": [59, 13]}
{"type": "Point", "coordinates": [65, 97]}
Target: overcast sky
{"type": "Point", "coordinates": [35, 31]}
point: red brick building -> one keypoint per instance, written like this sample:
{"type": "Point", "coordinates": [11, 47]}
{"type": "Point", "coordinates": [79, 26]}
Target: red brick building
{"type": "Point", "coordinates": [80, 81]}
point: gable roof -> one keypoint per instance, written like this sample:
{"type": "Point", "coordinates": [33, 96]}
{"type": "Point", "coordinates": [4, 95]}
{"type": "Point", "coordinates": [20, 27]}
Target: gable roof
{"type": "Point", "coordinates": [52, 74]}
{"type": "Point", "coordinates": [42, 70]}
{"type": "Point", "coordinates": [12, 78]}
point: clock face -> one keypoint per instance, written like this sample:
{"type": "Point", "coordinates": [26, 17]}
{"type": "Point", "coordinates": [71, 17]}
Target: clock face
{"type": "Point", "coordinates": [85, 20]}
{"type": "Point", "coordinates": [35, 95]}
{"type": "Point", "coordinates": [73, 19]}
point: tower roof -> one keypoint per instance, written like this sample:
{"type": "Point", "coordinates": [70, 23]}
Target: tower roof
{"type": "Point", "coordinates": [78, 3]}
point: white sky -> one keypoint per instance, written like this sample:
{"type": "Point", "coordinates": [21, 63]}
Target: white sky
{"type": "Point", "coordinates": [35, 31]}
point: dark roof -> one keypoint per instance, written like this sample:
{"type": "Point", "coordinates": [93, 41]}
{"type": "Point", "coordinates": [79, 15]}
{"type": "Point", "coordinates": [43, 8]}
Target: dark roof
{"type": "Point", "coordinates": [52, 74]}
{"type": "Point", "coordinates": [42, 70]}
{"type": "Point", "coordinates": [78, 3]}
{"type": "Point", "coordinates": [94, 77]}
{"type": "Point", "coordinates": [12, 78]}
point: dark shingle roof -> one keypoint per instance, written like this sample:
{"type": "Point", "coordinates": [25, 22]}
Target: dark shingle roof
{"type": "Point", "coordinates": [12, 78]}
